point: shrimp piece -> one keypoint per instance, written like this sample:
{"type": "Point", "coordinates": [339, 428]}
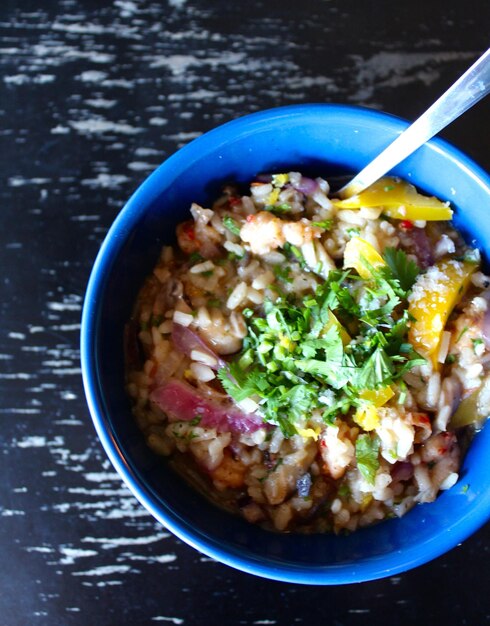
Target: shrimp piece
{"type": "Point", "coordinates": [265, 232]}
{"type": "Point", "coordinates": [337, 451]}
{"type": "Point", "coordinates": [230, 473]}
{"type": "Point", "coordinates": [301, 232]}
{"type": "Point", "coordinates": [186, 237]}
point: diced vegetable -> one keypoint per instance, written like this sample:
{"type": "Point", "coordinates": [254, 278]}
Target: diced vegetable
{"type": "Point", "coordinates": [366, 416]}
{"type": "Point", "coordinates": [333, 321]}
{"type": "Point", "coordinates": [360, 254]}
{"type": "Point", "coordinates": [474, 408]}
{"type": "Point", "coordinates": [182, 402]}
{"type": "Point", "coordinates": [399, 200]}
{"type": "Point", "coordinates": [377, 397]}
{"type": "Point", "coordinates": [434, 296]}
{"type": "Point", "coordinates": [190, 343]}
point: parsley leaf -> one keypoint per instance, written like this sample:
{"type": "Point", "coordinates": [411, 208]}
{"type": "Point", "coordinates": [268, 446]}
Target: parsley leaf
{"type": "Point", "coordinates": [231, 225]}
{"type": "Point", "coordinates": [367, 450]}
{"type": "Point", "coordinates": [402, 269]}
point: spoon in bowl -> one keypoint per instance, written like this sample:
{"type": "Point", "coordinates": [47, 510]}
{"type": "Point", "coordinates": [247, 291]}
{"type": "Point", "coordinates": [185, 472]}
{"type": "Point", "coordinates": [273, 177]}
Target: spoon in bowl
{"type": "Point", "coordinates": [469, 89]}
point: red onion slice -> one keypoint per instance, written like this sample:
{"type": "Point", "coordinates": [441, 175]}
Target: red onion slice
{"type": "Point", "coordinates": [186, 341]}
{"type": "Point", "coordinates": [182, 402]}
{"type": "Point", "coordinates": [306, 185]}
{"type": "Point", "coordinates": [421, 247]}
{"type": "Point", "coordinates": [402, 470]}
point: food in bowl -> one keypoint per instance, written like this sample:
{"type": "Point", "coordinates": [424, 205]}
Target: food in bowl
{"type": "Point", "coordinates": [309, 363]}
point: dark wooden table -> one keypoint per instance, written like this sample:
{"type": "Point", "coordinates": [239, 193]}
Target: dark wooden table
{"type": "Point", "coordinates": [94, 95]}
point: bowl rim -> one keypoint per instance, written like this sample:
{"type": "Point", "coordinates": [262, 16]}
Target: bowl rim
{"type": "Point", "coordinates": [128, 216]}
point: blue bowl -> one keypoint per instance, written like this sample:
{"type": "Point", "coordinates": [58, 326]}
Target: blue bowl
{"type": "Point", "coordinates": [316, 139]}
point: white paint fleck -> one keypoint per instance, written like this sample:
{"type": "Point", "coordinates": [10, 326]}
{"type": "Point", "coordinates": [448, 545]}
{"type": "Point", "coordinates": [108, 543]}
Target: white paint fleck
{"type": "Point", "coordinates": [20, 181]}
{"type": "Point", "coordinates": [105, 570]}
{"type": "Point", "coordinates": [99, 477]}
{"type": "Point", "coordinates": [116, 542]}
{"type": "Point", "coordinates": [17, 376]}
{"type": "Point", "coordinates": [141, 166]}
{"type": "Point", "coordinates": [81, 28]}
{"type": "Point", "coordinates": [18, 411]}
{"type": "Point", "coordinates": [64, 306]}
{"type": "Point", "coordinates": [127, 7]}
{"type": "Point", "coordinates": [92, 76]}
{"type": "Point", "coordinates": [20, 336]}
{"type": "Point", "coordinates": [106, 181]}
{"type": "Point", "coordinates": [172, 620]}
{"type": "Point", "coordinates": [37, 441]}
{"type": "Point", "coordinates": [394, 69]}
{"type": "Point", "coordinates": [143, 152]}
{"type": "Point", "coordinates": [41, 549]}
{"type": "Point", "coordinates": [67, 371]}
{"type": "Point", "coordinates": [66, 327]}
{"type": "Point", "coordinates": [161, 558]}
{"type": "Point", "coordinates": [70, 555]}
{"type": "Point", "coordinates": [68, 395]}
{"type": "Point", "coordinates": [101, 103]}
{"type": "Point", "coordinates": [98, 126]}
{"type": "Point", "coordinates": [158, 121]}
{"type": "Point", "coordinates": [85, 218]}
{"type": "Point", "coordinates": [60, 130]}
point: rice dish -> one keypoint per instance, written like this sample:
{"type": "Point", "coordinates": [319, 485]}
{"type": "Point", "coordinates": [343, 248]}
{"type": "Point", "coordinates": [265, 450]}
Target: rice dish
{"type": "Point", "coordinates": [312, 364]}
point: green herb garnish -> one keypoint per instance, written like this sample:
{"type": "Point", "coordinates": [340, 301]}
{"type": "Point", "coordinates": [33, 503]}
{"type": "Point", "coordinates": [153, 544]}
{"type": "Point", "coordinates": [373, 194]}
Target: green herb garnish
{"type": "Point", "coordinates": [402, 269]}
{"type": "Point", "coordinates": [231, 225]}
{"type": "Point", "coordinates": [293, 354]}
{"type": "Point", "coordinates": [278, 209]}
{"type": "Point", "coordinates": [367, 456]}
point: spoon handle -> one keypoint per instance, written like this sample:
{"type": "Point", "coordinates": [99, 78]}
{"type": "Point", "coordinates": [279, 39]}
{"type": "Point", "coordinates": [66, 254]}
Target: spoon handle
{"type": "Point", "coordinates": [469, 89]}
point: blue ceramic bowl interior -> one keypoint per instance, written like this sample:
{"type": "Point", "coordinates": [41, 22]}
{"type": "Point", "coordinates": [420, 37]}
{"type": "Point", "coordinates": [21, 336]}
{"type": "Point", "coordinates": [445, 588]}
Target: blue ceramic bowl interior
{"type": "Point", "coordinates": [319, 140]}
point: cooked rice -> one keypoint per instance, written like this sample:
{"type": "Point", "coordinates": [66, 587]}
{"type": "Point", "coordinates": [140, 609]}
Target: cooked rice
{"type": "Point", "coordinates": [222, 274]}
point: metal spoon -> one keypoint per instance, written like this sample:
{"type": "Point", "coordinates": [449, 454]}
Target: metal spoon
{"type": "Point", "coordinates": [469, 89]}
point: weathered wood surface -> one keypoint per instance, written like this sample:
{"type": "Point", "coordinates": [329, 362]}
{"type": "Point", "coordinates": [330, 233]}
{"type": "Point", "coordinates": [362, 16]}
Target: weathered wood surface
{"type": "Point", "coordinates": [94, 96]}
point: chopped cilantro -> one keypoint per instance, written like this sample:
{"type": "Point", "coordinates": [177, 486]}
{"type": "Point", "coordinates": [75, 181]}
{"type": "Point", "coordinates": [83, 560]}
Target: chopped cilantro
{"type": "Point", "coordinates": [278, 209]}
{"type": "Point", "coordinates": [325, 224]}
{"type": "Point", "coordinates": [465, 330]}
{"type": "Point", "coordinates": [195, 257]}
{"type": "Point", "coordinates": [367, 451]}
{"type": "Point", "coordinates": [156, 320]}
{"type": "Point", "coordinates": [283, 273]}
{"type": "Point", "coordinates": [477, 345]}
{"type": "Point", "coordinates": [402, 269]}
{"type": "Point", "coordinates": [231, 225]}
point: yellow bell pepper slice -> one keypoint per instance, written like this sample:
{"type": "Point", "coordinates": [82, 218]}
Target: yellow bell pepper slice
{"type": "Point", "coordinates": [434, 296]}
{"type": "Point", "coordinates": [377, 397]}
{"type": "Point", "coordinates": [399, 199]}
{"type": "Point", "coordinates": [357, 250]}
{"type": "Point", "coordinates": [333, 321]}
{"type": "Point", "coordinates": [367, 416]}
{"type": "Point", "coordinates": [309, 433]}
